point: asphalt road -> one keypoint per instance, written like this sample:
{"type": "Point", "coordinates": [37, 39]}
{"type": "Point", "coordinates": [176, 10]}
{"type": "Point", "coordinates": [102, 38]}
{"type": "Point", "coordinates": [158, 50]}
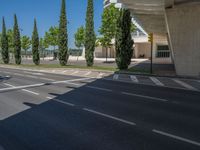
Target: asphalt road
{"type": "Point", "coordinates": [41, 111]}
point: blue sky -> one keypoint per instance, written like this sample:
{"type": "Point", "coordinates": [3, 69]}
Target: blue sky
{"type": "Point", "coordinates": [47, 14]}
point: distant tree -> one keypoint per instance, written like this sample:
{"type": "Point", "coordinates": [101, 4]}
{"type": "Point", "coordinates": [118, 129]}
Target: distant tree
{"type": "Point", "coordinates": [10, 41]}
{"type": "Point", "coordinates": [42, 46]}
{"type": "Point", "coordinates": [124, 42]}
{"type": "Point", "coordinates": [16, 42]}
{"type": "Point", "coordinates": [108, 27]}
{"type": "Point", "coordinates": [80, 37]}
{"type": "Point", "coordinates": [51, 37]}
{"type": "Point", "coordinates": [90, 37]}
{"type": "Point", "coordinates": [26, 44]}
{"type": "Point", "coordinates": [4, 44]}
{"type": "Point", "coordinates": [35, 45]}
{"type": "Point", "coordinates": [63, 36]}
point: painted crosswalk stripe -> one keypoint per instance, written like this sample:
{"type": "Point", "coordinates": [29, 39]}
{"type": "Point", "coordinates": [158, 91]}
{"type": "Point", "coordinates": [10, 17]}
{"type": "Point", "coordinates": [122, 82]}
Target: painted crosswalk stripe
{"type": "Point", "coordinates": [185, 85]}
{"type": "Point", "coordinates": [100, 75]}
{"type": "Point", "coordinates": [134, 79]}
{"type": "Point", "coordinates": [156, 81]}
{"type": "Point", "coordinates": [88, 73]}
{"type": "Point", "coordinates": [116, 77]}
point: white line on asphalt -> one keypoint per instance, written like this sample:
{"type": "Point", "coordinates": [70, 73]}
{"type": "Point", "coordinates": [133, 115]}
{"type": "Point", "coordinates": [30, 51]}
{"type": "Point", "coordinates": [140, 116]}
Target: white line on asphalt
{"type": "Point", "coordinates": [187, 86]}
{"type": "Point", "coordinates": [69, 81]}
{"type": "Point", "coordinates": [156, 81]}
{"type": "Point", "coordinates": [88, 73]}
{"type": "Point", "coordinates": [134, 79]}
{"type": "Point", "coordinates": [30, 92]}
{"type": "Point", "coordinates": [64, 71]}
{"type": "Point", "coordinates": [22, 89]}
{"type": "Point", "coordinates": [18, 74]}
{"type": "Point", "coordinates": [59, 101]}
{"type": "Point", "coordinates": [97, 88]}
{"type": "Point", "coordinates": [75, 72]}
{"type": "Point", "coordinates": [177, 137]}
{"type": "Point", "coordinates": [41, 84]}
{"type": "Point", "coordinates": [110, 117]}
{"type": "Point", "coordinates": [8, 84]}
{"type": "Point", "coordinates": [100, 75]}
{"type": "Point", "coordinates": [47, 79]}
{"type": "Point", "coordinates": [115, 77]}
{"type": "Point", "coordinates": [143, 96]}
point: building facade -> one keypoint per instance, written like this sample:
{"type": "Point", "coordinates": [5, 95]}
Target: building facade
{"type": "Point", "coordinates": [179, 21]}
{"type": "Point", "coordinates": [142, 48]}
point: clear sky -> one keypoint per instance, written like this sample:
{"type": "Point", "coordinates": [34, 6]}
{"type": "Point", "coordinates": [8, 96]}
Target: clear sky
{"type": "Point", "coordinates": [47, 14]}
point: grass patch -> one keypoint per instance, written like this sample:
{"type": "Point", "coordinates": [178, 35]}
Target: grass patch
{"type": "Point", "coordinates": [57, 66]}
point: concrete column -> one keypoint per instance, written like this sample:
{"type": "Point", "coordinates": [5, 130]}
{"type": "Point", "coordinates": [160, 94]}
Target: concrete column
{"type": "Point", "coordinates": [183, 24]}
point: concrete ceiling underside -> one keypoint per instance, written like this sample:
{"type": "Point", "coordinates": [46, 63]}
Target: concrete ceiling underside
{"type": "Point", "coordinates": [150, 14]}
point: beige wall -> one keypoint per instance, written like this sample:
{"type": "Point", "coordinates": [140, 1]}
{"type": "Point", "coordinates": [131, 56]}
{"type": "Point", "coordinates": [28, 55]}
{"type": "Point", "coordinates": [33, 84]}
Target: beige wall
{"type": "Point", "coordinates": [183, 24]}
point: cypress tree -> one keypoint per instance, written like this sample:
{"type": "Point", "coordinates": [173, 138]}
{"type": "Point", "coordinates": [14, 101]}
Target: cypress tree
{"type": "Point", "coordinates": [63, 36]}
{"type": "Point", "coordinates": [16, 42]}
{"type": "Point", "coordinates": [4, 44]}
{"type": "Point", "coordinates": [124, 42]}
{"type": "Point", "coordinates": [35, 45]}
{"type": "Point", "coordinates": [90, 38]}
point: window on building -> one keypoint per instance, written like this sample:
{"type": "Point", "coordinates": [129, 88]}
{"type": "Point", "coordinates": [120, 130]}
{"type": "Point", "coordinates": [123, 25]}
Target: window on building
{"type": "Point", "coordinates": [163, 51]}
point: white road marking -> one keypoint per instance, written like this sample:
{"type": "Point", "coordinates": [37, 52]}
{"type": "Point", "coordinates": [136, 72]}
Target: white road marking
{"type": "Point", "coordinates": [30, 92]}
{"type": "Point", "coordinates": [156, 81]}
{"type": "Point", "coordinates": [8, 84]}
{"type": "Point", "coordinates": [177, 137]}
{"type": "Point", "coordinates": [97, 88]}
{"type": "Point", "coordinates": [100, 75]}
{"type": "Point", "coordinates": [88, 73]}
{"type": "Point", "coordinates": [47, 79]}
{"type": "Point", "coordinates": [22, 89]}
{"type": "Point", "coordinates": [34, 73]}
{"type": "Point", "coordinates": [143, 96]}
{"type": "Point", "coordinates": [110, 117]}
{"type": "Point", "coordinates": [134, 79]}
{"type": "Point", "coordinates": [75, 72]}
{"type": "Point", "coordinates": [59, 101]}
{"type": "Point", "coordinates": [115, 77]}
{"type": "Point", "coordinates": [187, 86]}
{"type": "Point", "coordinates": [64, 71]}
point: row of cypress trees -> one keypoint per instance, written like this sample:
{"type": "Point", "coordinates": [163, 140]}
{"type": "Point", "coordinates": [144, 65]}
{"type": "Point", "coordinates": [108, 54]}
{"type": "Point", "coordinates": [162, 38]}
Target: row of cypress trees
{"type": "Point", "coordinates": [123, 38]}
{"type": "Point", "coordinates": [17, 43]}
{"type": "Point", "coordinates": [63, 40]}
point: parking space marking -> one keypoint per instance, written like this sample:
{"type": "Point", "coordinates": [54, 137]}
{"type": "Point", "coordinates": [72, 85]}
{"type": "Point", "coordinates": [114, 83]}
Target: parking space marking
{"type": "Point", "coordinates": [134, 79]}
{"type": "Point", "coordinates": [59, 101]}
{"type": "Point", "coordinates": [110, 117]}
{"type": "Point", "coordinates": [185, 85]}
{"type": "Point", "coordinates": [28, 91]}
{"type": "Point", "coordinates": [143, 96]}
{"type": "Point", "coordinates": [97, 88]}
{"type": "Point", "coordinates": [176, 137]}
{"type": "Point", "coordinates": [156, 81]}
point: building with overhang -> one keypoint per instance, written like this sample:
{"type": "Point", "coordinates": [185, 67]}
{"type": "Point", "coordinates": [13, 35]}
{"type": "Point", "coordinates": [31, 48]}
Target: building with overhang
{"type": "Point", "coordinates": [142, 48]}
{"type": "Point", "coordinates": [178, 21]}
